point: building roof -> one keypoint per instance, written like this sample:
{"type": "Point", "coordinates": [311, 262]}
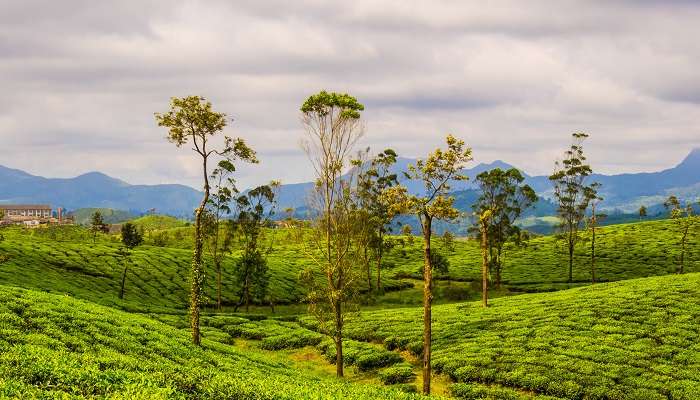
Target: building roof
{"type": "Point", "coordinates": [25, 207]}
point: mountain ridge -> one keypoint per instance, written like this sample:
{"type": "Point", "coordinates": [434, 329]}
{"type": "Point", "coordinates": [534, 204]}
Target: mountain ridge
{"type": "Point", "coordinates": [624, 192]}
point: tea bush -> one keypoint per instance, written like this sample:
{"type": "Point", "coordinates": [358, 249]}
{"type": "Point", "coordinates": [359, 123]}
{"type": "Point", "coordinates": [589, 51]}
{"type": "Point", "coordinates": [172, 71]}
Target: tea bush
{"type": "Point", "coordinates": [636, 339]}
{"type": "Point", "coordinates": [52, 346]}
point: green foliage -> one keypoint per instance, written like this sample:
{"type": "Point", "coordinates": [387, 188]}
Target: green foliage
{"type": "Point", "coordinates": [448, 241]}
{"type": "Point", "coordinates": [157, 222]}
{"type": "Point", "coordinates": [97, 225]}
{"type": "Point", "coordinates": [572, 193]}
{"type": "Point", "coordinates": [439, 263]}
{"type": "Point", "coordinates": [397, 374]}
{"type": "Point", "coordinates": [52, 346]}
{"type": "Point", "coordinates": [374, 213]}
{"type": "Point", "coordinates": [435, 172]}
{"type": "Point", "coordinates": [631, 339]}
{"type": "Point", "coordinates": [340, 106]}
{"type": "Point", "coordinates": [364, 356]}
{"type": "Point", "coordinates": [251, 277]}
{"type": "Point", "coordinates": [83, 216]}
{"type": "Point", "coordinates": [685, 221]}
{"type": "Point", "coordinates": [131, 236]}
{"type": "Point", "coordinates": [504, 197]}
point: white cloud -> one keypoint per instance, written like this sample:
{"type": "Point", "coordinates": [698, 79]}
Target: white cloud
{"type": "Point", "coordinates": [82, 79]}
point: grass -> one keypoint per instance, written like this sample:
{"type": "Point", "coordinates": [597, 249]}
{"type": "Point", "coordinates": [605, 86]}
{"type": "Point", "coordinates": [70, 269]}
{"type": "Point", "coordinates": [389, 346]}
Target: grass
{"type": "Point", "coordinates": [637, 339]}
{"type": "Point", "coordinates": [52, 346]}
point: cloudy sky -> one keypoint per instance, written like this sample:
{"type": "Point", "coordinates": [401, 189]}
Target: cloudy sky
{"type": "Point", "coordinates": [81, 80]}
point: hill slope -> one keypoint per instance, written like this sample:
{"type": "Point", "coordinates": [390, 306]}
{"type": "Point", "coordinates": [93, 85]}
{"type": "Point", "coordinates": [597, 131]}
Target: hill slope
{"type": "Point", "coordinates": [52, 346]}
{"type": "Point", "coordinates": [636, 339]}
{"type": "Point", "coordinates": [66, 261]}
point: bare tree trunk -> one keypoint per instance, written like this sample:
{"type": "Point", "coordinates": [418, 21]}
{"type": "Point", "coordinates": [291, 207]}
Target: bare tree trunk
{"type": "Point", "coordinates": [683, 242]}
{"type": "Point", "coordinates": [593, 254]}
{"type": "Point", "coordinates": [247, 292]}
{"type": "Point", "coordinates": [380, 253]}
{"type": "Point", "coordinates": [121, 292]}
{"type": "Point", "coordinates": [484, 267]}
{"type": "Point", "coordinates": [369, 274]}
{"type": "Point", "coordinates": [338, 339]}
{"type": "Point", "coordinates": [197, 264]}
{"type": "Point", "coordinates": [498, 268]}
{"type": "Point", "coordinates": [571, 257]}
{"type": "Point", "coordinates": [427, 303]}
{"type": "Point", "coordinates": [218, 284]}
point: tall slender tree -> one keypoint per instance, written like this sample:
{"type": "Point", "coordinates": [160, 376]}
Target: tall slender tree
{"type": "Point", "coordinates": [685, 220]}
{"type": "Point", "coordinates": [2, 217]}
{"type": "Point", "coordinates": [255, 208]}
{"type": "Point", "coordinates": [572, 194]}
{"type": "Point", "coordinates": [131, 238]}
{"type": "Point", "coordinates": [217, 230]}
{"type": "Point", "coordinates": [191, 120]}
{"type": "Point", "coordinates": [642, 212]}
{"type": "Point", "coordinates": [333, 126]}
{"type": "Point", "coordinates": [484, 229]}
{"type": "Point", "coordinates": [436, 173]}
{"type": "Point", "coordinates": [97, 225]}
{"type": "Point", "coordinates": [592, 226]}
{"type": "Point", "coordinates": [372, 182]}
{"type": "Point", "coordinates": [407, 231]}
{"type": "Point", "coordinates": [506, 196]}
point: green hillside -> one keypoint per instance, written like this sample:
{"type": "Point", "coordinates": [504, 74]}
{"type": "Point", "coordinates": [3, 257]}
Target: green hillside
{"type": "Point", "coordinates": [52, 346]}
{"type": "Point", "coordinates": [157, 280]}
{"type": "Point", "coordinates": [158, 222]}
{"type": "Point", "coordinates": [158, 277]}
{"type": "Point", "coordinates": [622, 252]}
{"type": "Point", "coordinates": [83, 216]}
{"type": "Point", "coordinates": [637, 339]}
{"type": "Point", "coordinates": [65, 261]}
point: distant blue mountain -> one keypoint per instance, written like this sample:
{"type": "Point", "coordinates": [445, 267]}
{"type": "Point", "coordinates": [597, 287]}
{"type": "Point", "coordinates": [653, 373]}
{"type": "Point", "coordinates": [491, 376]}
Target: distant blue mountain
{"type": "Point", "coordinates": [97, 190]}
{"type": "Point", "coordinates": [624, 192]}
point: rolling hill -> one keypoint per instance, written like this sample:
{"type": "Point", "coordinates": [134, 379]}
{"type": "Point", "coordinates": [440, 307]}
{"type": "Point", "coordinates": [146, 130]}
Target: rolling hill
{"type": "Point", "coordinates": [52, 346]}
{"type": "Point", "coordinates": [636, 339]}
{"type": "Point", "coordinates": [625, 339]}
{"type": "Point", "coordinates": [66, 261]}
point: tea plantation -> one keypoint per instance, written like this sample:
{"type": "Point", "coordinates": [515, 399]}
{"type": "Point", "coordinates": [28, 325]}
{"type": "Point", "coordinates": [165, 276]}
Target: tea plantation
{"type": "Point", "coordinates": [622, 252]}
{"type": "Point", "coordinates": [52, 346]}
{"type": "Point", "coordinates": [68, 262]}
{"type": "Point", "coordinates": [157, 279]}
{"type": "Point", "coordinates": [64, 333]}
{"type": "Point", "coordinates": [637, 339]}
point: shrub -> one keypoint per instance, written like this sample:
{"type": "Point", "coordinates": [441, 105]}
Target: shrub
{"type": "Point", "coordinates": [377, 360]}
{"type": "Point", "coordinates": [402, 373]}
{"type": "Point", "coordinates": [290, 341]}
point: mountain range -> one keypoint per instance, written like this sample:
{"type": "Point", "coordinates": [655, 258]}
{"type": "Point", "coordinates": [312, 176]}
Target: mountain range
{"type": "Point", "coordinates": [622, 192]}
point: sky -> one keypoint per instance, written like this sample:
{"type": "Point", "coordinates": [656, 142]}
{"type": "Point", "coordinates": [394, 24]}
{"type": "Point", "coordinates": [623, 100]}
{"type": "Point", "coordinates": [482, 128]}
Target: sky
{"type": "Point", "coordinates": [81, 79]}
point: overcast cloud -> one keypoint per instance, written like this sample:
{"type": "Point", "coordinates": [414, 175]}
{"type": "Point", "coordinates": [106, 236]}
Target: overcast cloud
{"type": "Point", "coordinates": [81, 80]}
